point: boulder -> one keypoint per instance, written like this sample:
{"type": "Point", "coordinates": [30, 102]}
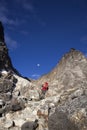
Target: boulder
{"type": "Point", "coordinates": [30, 125]}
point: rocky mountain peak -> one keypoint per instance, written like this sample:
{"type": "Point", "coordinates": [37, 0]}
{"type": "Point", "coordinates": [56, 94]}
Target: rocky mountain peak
{"type": "Point", "coordinates": [73, 55]}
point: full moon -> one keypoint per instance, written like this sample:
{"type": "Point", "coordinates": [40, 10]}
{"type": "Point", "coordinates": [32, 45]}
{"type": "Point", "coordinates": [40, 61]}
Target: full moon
{"type": "Point", "coordinates": [38, 65]}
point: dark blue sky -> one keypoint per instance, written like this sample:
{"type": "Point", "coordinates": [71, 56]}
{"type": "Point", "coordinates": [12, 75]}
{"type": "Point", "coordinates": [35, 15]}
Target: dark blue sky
{"type": "Point", "coordinates": [39, 32]}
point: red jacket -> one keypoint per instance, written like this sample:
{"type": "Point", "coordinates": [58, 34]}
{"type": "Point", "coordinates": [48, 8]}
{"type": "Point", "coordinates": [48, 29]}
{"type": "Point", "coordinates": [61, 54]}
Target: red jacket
{"type": "Point", "coordinates": [45, 86]}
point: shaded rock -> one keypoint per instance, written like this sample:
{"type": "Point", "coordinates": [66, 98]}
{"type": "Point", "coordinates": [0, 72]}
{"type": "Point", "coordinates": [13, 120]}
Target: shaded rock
{"type": "Point", "coordinates": [2, 108]}
{"type": "Point", "coordinates": [17, 105]}
{"type": "Point", "coordinates": [7, 82]}
{"type": "Point", "coordinates": [6, 86]}
{"type": "Point", "coordinates": [70, 115]}
{"type": "Point", "coordinates": [60, 121]}
{"type": "Point", "coordinates": [30, 125]}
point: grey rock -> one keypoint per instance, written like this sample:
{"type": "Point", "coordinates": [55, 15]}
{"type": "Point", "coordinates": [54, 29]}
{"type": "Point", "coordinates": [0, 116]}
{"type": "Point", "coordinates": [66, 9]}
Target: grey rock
{"type": "Point", "coordinates": [30, 125]}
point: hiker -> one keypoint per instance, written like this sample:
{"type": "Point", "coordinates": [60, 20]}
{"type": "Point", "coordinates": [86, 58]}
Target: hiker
{"type": "Point", "coordinates": [44, 90]}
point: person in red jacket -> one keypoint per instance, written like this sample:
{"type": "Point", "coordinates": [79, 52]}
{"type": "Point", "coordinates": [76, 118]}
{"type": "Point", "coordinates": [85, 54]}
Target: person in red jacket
{"type": "Point", "coordinates": [44, 90]}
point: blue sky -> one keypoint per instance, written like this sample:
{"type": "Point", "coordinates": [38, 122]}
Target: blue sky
{"type": "Point", "coordinates": [39, 32]}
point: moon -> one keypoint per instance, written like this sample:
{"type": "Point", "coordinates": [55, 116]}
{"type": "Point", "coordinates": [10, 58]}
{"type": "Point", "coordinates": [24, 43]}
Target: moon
{"type": "Point", "coordinates": [38, 65]}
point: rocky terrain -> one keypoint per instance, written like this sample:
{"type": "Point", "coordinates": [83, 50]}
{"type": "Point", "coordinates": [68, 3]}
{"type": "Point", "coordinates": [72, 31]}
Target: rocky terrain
{"type": "Point", "coordinates": [65, 103]}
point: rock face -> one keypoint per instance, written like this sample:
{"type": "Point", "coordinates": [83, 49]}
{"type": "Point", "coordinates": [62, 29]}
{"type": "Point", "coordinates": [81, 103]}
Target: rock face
{"type": "Point", "coordinates": [5, 61]}
{"type": "Point", "coordinates": [65, 103]}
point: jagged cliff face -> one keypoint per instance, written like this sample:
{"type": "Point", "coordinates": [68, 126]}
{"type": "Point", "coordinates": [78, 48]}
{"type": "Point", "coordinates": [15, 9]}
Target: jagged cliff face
{"type": "Point", "coordinates": [5, 62]}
